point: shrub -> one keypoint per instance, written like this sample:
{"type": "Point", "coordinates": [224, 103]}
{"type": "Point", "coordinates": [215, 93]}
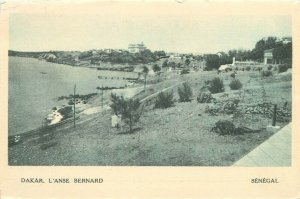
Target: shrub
{"type": "Point", "coordinates": [270, 67]}
{"type": "Point", "coordinates": [205, 97]}
{"type": "Point", "coordinates": [232, 75]}
{"type": "Point", "coordinates": [282, 68]}
{"type": "Point", "coordinates": [185, 93]}
{"type": "Point", "coordinates": [224, 127]}
{"type": "Point", "coordinates": [128, 109]}
{"type": "Point", "coordinates": [236, 68]}
{"type": "Point", "coordinates": [243, 69]}
{"type": "Point", "coordinates": [266, 73]}
{"type": "Point", "coordinates": [212, 110]}
{"type": "Point", "coordinates": [184, 71]}
{"type": "Point", "coordinates": [248, 68]}
{"type": "Point", "coordinates": [230, 107]}
{"type": "Point", "coordinates": [216, 85]}
{"type": "Point", "coordinates": [235, 84]}
{"type": "Point", "coordinates": [164, 100]}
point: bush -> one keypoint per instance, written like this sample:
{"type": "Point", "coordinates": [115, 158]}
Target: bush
{"type": "Point", "coordinates": [248, 68]}
{"type": "Point", "coordinates": [224, 127]}
{"type": "Point", "coordinates": [266, 73]}
{"type": "Point", "coordinates": [282, 68]}
{"type": "Point", "coordinates": [66, 111]}
{"type": "Point", "coordinates": [185, 93]}
{"type": "Point", "coordinates": [243, 69]}
{"type": "Point", "coordinates": [216, 85]}
{"type": "Point", "coordinates": [205, 97]}
{"type": "Point", "coordinates": [164, 100]}
{"type": "Point", "coordinates": [228, 69]}
{"type": "Point", "coordinates": [235, 84]}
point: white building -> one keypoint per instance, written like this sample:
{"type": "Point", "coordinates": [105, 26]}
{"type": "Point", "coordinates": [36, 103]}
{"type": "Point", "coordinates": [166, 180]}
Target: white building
{"type": "Point", "coordinates": [135, 48]}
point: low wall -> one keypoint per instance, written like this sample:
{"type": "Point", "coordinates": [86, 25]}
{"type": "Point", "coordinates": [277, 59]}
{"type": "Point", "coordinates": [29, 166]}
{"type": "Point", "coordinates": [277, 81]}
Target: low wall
{"type": "Point", "coordinates": [14, 139]}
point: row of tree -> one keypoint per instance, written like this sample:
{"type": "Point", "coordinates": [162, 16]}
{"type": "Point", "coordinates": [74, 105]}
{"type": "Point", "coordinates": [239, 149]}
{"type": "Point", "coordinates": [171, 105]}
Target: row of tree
{"type": "Point", "coordinates": [281, 52]}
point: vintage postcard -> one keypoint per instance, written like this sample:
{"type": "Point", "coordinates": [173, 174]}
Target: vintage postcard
{"type": "Point", "coordinates": [170, 99]}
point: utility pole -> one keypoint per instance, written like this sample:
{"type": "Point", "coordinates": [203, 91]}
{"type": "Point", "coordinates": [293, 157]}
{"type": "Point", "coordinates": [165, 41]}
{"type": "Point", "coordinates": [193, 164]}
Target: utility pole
{"type": "Point", "coordinates": [74, 102]}
{"type": "Point", "coordinates": [274, 115]}
{"type": "Point", "coordinates": [145, 82]}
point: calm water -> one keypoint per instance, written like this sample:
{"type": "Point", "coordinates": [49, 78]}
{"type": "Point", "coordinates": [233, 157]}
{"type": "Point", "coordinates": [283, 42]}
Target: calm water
{"type": "Point", "coordinates": [34, 86]}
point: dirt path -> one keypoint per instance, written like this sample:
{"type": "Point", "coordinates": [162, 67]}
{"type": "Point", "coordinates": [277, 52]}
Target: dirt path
{"type": "Point", "coordinates": [163, 90]}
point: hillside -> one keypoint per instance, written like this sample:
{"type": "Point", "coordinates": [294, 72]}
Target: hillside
{"type": "Point", "coordinates": [179, 135]}
{"type": "Point", "coordinates": [94, 57]}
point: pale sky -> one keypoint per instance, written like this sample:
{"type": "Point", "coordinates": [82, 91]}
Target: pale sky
{"type": "Point", "coordinates": [202, 34]}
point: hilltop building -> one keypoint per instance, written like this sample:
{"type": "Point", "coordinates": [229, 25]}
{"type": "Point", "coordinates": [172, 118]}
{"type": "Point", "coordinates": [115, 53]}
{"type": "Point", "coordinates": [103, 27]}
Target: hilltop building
{"type": "Point", "coordinates": [284, 40]}
{"type": "Point", "coordinates": [220, 54]}
{"type": "Point", "coordinates": [268, 54]}
{"type": "Point", "coordinates": [135, 48]}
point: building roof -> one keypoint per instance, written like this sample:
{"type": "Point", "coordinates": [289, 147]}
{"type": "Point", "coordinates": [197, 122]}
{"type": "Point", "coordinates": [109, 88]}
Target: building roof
{"type": "Point", "coordinates": [223, 67]}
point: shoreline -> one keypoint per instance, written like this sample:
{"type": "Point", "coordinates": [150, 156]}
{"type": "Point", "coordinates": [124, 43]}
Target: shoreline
{"type": "Point", "coordinates": [43, 99]}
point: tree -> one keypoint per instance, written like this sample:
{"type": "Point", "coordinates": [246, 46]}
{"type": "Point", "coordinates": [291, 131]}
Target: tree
{"type": "Point", "coordinates": [165, 64]}
{"type": "Point", "coordinates": [258, 52]}
{"type": "Point", "coordinates": [145, 71]}
{"type": "Point", "coordinates": [159, 54]}
{"type": "Point", "coordinates": [172, 65]}
{"type": "Point", "coordinates": [239, 54]}
{"type": "Point", "coordinates": [156, 69]}
{"type": "Point", "coordinates": [283, 52]}
{"type": "Point", "coordinates": [212, 61]}
{"type": "Point", "coordinates": [129, 110]}
{"type": "Point", "coordinates": [187, 62]}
